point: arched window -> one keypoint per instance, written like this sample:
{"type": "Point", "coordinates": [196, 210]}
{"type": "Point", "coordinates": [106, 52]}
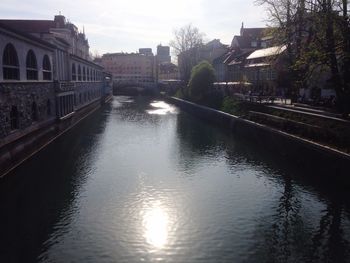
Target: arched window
{"type": "Point", "coordinates": [32, 66]}
{"type": "Point", "coordinates": [74, 74]}
{"type": "Point", "coordinates": [48, 107]}
{"type": "Point", "coordinates": [84, 74]}
{"type": "Point", "coordinates": [79, 73]}
{"type": "Point", "coordinates": [10, 63]}
{"type": "Point", "coordinates": [14, 118]}
{"type": "Point", "coordinates": [34, 112]}
{"type": "Point", "coordinates": [46, 68]}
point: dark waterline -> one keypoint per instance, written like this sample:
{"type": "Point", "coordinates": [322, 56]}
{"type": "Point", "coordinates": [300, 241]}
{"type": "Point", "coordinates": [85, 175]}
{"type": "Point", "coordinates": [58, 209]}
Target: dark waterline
{"type": "Point", "coordinates": [141, 181]}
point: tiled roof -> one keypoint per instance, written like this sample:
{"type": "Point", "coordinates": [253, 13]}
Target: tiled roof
{"type": "Point", "coordinates": [29, 26]}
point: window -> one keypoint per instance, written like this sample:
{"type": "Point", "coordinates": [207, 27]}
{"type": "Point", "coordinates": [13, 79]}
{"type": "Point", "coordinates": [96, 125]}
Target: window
{"type": "Point", "coordinates": [87, 74]}
{"type": "Point", "coordinates": [10, 63]}
{"type": "Point", "coordinates": [32, 68]}
{"type": "Point", "coordinates": [74, 74]}
{"type": "Point", "coordinates": [46, 68]}
{"type": "Point", "coordinates": [84, 74]}
{"type": "Point", "coordinates": [14, 118]}
{"type": "Point", "coordinates": [79, 73]}
{"type": "Point", "coordinates": [34, 112]}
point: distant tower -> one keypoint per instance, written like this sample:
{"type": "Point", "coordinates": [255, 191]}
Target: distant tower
{"type": "Point", "coordinates": [242, 27]}
{"type": "Point", "coordinates": [163, 54]}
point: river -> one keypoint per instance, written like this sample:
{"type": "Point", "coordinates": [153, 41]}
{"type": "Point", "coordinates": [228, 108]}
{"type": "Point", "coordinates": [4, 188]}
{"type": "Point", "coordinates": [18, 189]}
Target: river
{"type": "Point", "coordinates": [139, 180]}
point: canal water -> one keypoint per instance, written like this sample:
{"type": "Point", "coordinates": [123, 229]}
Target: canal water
{"type": "Point", "coordinates": [141, 181]}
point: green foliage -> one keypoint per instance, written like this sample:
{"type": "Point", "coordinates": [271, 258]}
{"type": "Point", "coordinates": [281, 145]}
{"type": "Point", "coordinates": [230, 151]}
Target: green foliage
{"type": "Point", "coordinates": [201, 82]}
{"type": "Point", "coordinates": [235, 106]}
{"type": "Point", "coordinates": [180, 93]}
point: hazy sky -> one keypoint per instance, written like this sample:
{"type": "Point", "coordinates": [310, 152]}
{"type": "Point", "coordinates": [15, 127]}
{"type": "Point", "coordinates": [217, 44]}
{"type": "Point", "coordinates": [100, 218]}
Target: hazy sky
{"type": "Point", "coordinates": [126, 25]}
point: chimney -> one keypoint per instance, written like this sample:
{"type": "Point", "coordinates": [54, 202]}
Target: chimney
{"type": "Point", "coordinates": [242, 27]}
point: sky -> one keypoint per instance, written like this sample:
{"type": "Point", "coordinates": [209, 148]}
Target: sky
{"type": "Point", "coordinates": [127, 25]}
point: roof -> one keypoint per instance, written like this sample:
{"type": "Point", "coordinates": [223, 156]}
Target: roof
{"type": "Point", "coordinates": [252, 32]}
{"type": "Point", "coordinates": [221, 59]}
{"type": "Point", "coordinates": [26, 35]}
{"type": "Point", "coordinates": [257, 65]}
{"type": "Point", "coordinates": [29, 26]}
{"type": "Point", "coordinates": [239, 58]}
{"type": "Point", "coordinates": [267, 52]}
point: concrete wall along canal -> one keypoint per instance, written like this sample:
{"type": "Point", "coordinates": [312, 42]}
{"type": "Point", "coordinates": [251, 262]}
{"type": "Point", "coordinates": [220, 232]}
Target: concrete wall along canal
{"type": "Point", "coordinates": [318, 160]}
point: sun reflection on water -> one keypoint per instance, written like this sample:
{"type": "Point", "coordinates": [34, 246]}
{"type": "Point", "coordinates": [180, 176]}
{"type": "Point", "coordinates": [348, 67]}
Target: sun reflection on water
{"type": "Point", "coordinates": [156, 225]}
{"type": "Point", "coordinates": [162, 108]}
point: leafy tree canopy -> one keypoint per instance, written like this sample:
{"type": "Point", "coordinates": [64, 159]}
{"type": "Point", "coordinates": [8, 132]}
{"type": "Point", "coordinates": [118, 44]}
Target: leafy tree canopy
{"type": "Point", "coordinates": [201, 82]}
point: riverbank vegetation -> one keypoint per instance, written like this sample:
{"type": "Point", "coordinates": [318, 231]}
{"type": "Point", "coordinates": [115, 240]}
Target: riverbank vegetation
{"type": "Point", "coordinates": [327, 131]}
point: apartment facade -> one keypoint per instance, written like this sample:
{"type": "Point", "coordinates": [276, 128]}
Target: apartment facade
{"type": "Point", "coordinates": [132, 68]}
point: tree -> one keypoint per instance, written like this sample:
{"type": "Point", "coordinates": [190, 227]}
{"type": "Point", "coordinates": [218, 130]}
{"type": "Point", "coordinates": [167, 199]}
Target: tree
{"type": "Point", "coordinates": [201, 82]}
{"type": "Point", "coordinates": [317, 36]}
{"type": "Point", "coordinates": [185, 45]}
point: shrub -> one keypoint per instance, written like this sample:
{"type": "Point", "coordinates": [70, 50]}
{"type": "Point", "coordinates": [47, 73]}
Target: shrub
{"type": "Point", "coordinates": [201, 82]}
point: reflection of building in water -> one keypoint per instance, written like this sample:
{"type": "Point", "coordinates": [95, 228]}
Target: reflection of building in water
{"type": "Point", "coordinates": [46, 79]}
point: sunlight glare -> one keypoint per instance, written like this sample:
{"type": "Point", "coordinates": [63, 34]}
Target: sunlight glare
{"type": "Point", "coordinates": [162, 108]}
{"type": "Point", "coordinates": [155, 223]}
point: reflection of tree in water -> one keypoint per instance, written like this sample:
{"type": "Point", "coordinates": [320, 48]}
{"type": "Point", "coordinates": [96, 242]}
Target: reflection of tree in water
{"type": "Point", "coordinates": [196, 139]}
{"type": "Point", "coordinates": [328, 242]}
{"type": "Point", "coordinates": [288, 233]}
{"type": "Point", "coordinates": [291, 239]}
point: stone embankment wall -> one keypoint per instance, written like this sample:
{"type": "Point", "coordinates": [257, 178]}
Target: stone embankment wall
{"type": "Point", "coordinates": [26, 97]}
{"type": "Point", "coordinates": [31, 135]}
{"type": "Point", "coordinates": [316, 159]}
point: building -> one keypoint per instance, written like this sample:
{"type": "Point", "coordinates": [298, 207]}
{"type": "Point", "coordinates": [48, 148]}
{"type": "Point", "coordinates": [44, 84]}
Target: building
{"type": "Point", "coordinates": [146, 51]}
{"type": "Point", "coordinates": [130, 68]}
{"type": "Point", "coordinates": [251, 39]}
{"type": "Point", "coordinates": [243, 57]}
{"type": "Point", "coordinates": [46, 84]}
{"type": "Point", "coordinates": [53, 31]}
{"type": "Point", "coordinates": [261, 69]}
{"type": "Point", "coordinates": [167, 71]}
{"type": "Point", "coordinates": [210, 52]}
{"type": "Point", "coordinates": [163, 54]}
